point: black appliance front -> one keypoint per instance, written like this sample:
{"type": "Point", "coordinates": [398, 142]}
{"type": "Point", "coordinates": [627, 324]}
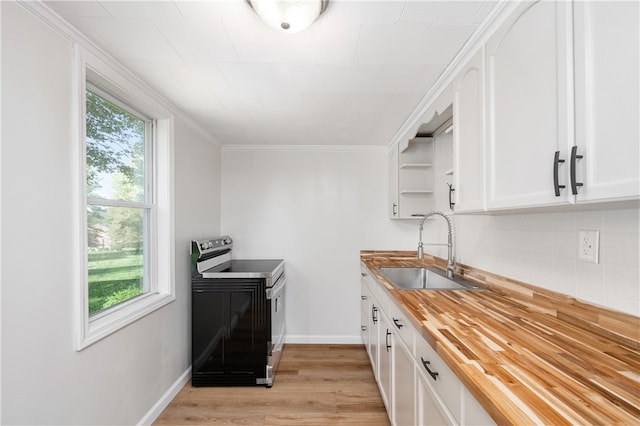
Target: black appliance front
{"type": "Point", "coordinates": [230, 331]}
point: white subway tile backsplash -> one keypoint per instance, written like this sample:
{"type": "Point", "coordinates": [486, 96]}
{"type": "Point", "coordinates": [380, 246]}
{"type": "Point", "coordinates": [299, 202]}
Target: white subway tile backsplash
{"type": "Point", "coordinates": [620, 249]}
{"type": "Point", "coordinates": [622, 281]}
{"type": "Point", "coordinates": [565, 288]}
{"type": "Point", "coordinates": [623, 304]}
{"type": "Point", "coordinates": [623, 220]}
{"type": "Point", "coordinates": [564, 221]}
{"type": "Point", "coordinates": [564, 271]}
{"type": "Point", "coordinates": [538, 241]}
{"type": "Point", "coordinates": [541, 266]}
{"type": "Point", "coordinates": [591, 296]}
{"type": "Point", "coordinates": [592, 219]}
{"type": "Point", "coordinates": [542, 249]}
{"type": "Point", "coordinates": [565, 244]}
{"type": "Point", "coordinates": [537, 222]}
{"type": "Point", "coordinates": [547, 283]}
{"type": "Point", "coordinates": [590, 277]}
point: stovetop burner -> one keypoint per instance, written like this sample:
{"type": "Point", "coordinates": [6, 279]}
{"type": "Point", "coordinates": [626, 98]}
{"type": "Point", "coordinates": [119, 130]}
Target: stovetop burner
{"type": "Point", "coordinates": [246, 266]}
{"type": "Point", "coordinates": [212, 259]}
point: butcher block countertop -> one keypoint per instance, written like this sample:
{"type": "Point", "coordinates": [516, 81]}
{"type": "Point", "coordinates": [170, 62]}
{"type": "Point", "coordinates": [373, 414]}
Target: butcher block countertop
{"type": "Point", "coordinates": [528, 355]}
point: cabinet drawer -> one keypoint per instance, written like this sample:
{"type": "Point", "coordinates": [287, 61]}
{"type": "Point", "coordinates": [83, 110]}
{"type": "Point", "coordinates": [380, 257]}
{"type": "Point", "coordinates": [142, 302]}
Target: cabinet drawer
{"type": "Point", "coordinates": [402, 327]}
{"type": "Point", "coordinates": [446, 384]}
{"type": "Point", "coordinates": [365, 308]}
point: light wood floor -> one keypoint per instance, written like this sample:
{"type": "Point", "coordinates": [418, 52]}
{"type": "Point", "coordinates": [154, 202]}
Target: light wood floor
{"type": "Point", "coordinates": [315, 385]}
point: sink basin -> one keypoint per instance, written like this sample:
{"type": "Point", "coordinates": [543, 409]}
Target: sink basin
{"type": "Point", "coordinates": [404, 278]}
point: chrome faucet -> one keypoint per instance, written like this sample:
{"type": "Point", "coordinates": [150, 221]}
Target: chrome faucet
{"type": "Point", "coordinates": [450, 257]}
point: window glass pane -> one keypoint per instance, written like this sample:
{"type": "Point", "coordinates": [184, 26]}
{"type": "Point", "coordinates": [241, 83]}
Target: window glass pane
{"type": "Point", "coordinates": [115, 151]}
{"type": "Point", "coordinates": [115, 255]}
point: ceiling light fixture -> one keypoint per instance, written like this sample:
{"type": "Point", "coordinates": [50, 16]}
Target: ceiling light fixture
{"type": "Point", "coordinates": [288, 16]}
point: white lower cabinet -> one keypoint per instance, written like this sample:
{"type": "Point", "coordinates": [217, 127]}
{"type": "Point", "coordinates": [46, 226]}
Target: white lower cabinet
{"type": "Point", "coordinates": [365, 300]}
{"type": "Point", "coordinates": [416, 385]}
{"type": "Point", "coordinates": [384, 360]}
{"type": "Point", "coordinates": [404, 391]}
{"type": "Point", "coordinates": [473, 414]}
{"type": "Point", "coordinates": [446, 388]}
{"type": "Point", "coordinates": [430, 409]}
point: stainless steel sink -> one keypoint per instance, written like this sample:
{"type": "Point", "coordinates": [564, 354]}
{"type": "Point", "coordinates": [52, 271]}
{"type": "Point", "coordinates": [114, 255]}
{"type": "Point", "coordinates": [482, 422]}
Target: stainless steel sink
{"type": "Point", "coordinates": [404, 278]}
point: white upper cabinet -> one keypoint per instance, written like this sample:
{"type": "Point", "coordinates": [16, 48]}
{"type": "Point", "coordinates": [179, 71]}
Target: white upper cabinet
{"type": "Point", "coordinates": [393, 183]}
{"type": "Point", "coordinates": [411, 191]}
{"type": "Point", "coordinates": [468, 136]}
{"type": "Point", "coordinates": [415, 177]}
{"type": "Point", "coordinates": [528, 106]}
{"type": "Point", "coordinates": [417, 182]}
{"type": "Point", "coordinates": [546, 108]}
{"type": "Point", "coordinates": [607, 114]}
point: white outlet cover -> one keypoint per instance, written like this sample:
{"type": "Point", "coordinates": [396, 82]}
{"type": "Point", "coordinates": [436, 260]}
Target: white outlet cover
{"type": "Point", "coordinates": [589, 246]}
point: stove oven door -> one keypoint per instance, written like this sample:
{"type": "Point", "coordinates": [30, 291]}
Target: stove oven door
{"type": "Point", "coordinates": [275, 297]}
{"type": "Point", "coordinates": [229, 331]}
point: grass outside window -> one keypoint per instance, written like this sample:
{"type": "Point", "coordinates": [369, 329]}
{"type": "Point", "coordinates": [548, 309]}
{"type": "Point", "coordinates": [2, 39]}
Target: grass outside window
{"type": "Point", "coordinates": [114, 277]}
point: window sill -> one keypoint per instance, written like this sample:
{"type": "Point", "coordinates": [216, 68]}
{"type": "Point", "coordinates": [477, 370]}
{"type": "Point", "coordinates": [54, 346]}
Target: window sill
{"type": "Point", "coordinates": [120, 317]}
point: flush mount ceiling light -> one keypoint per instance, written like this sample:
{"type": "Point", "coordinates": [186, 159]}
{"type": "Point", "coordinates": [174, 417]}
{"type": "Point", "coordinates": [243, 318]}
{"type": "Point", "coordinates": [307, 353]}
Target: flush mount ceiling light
{"type": "Point", "coordinates": [288, 16]}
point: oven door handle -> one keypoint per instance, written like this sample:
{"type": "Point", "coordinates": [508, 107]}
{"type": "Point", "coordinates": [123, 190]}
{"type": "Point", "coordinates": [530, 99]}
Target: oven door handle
{"type": "Point", "coordinates": [277, 287]}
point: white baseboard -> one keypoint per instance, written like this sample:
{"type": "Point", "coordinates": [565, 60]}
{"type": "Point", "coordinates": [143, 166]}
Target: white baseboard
{"type": "Point", "coordinates": [165, 399]}
{"type": "Point", "coordinates": [335, 340]}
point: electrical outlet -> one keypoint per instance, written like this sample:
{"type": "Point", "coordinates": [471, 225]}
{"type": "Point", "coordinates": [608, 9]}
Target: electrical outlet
{"type": "Point", "coordinates": [588, 246]}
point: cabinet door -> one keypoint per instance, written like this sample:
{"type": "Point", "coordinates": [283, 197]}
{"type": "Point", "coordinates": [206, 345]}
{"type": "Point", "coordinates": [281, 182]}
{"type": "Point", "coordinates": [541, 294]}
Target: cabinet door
{"type": "Point", "coordinates": [374, 335]}
{"type": "Point", "coordinates": [606, 77]}
{"type": "Point", "coordinates": [430, 410]}
{"type": "Point", "coordinates": [529, 70]}
{"type": "Point", "coordinates": [403, 385]}
{"type": "Point", "coordinates": [474, 414]}
{"type": "Point", "coordinates": [468, 136]}
{"type": "Point", "coordinates": [384, 360]}
{"type": "Point", "coordinates": [393, 183]}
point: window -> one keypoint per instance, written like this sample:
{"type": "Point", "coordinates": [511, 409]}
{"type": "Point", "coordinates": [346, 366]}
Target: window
{"type": "Point", "coordinates": [119, 200]}
{"type": "Point", "coordinates": [126, 234]}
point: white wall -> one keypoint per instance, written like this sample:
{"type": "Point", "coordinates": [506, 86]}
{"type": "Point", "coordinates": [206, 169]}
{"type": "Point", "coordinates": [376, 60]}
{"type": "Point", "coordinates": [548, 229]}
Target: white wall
{"type": "Point", "coordinates": [318, 208]}
{"type": "Point", "coordinates": [44, 379]}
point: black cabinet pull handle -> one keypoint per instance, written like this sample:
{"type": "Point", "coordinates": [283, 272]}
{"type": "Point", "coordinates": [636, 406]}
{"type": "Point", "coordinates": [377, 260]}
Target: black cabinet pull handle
{"type": "Point", "coordinates": [395, 207]}
{"type": "Point", "coordinates": [386, 340]}
{"type": "Point", "coordinates": [374, 316]}
{"type": "Point", "coordinates": [363, 274]}
{"type": "Point", "coordinates": [574, 157]}
{"type": "Point", "coordinates": [451, 191]}
{"type": "Point", "coordinates": [363, 327]}
{"type": "Point", "coordinates": [363, 297]}
{"type": "Point", "coordinates": [556, 162]}
{"type": "Point", "coordinates": [433, 374]}
{"type": "Point", "coordinates": [397, 323]}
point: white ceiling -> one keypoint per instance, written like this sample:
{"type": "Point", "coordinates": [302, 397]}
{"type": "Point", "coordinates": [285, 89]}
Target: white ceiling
{"type": "Point", "coordinates": [352, 78]}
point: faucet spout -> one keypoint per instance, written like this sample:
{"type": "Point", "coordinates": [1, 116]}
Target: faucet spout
{"type": "Point", "coordinates": [450, 249]}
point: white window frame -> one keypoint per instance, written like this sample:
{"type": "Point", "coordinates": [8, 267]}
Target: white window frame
{"type": "Point", "coordinates": [111, 78]}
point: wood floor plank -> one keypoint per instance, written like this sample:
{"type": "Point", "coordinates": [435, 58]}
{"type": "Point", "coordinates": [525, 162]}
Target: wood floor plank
{"type": "Point", "coordinates": [315, 385]}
